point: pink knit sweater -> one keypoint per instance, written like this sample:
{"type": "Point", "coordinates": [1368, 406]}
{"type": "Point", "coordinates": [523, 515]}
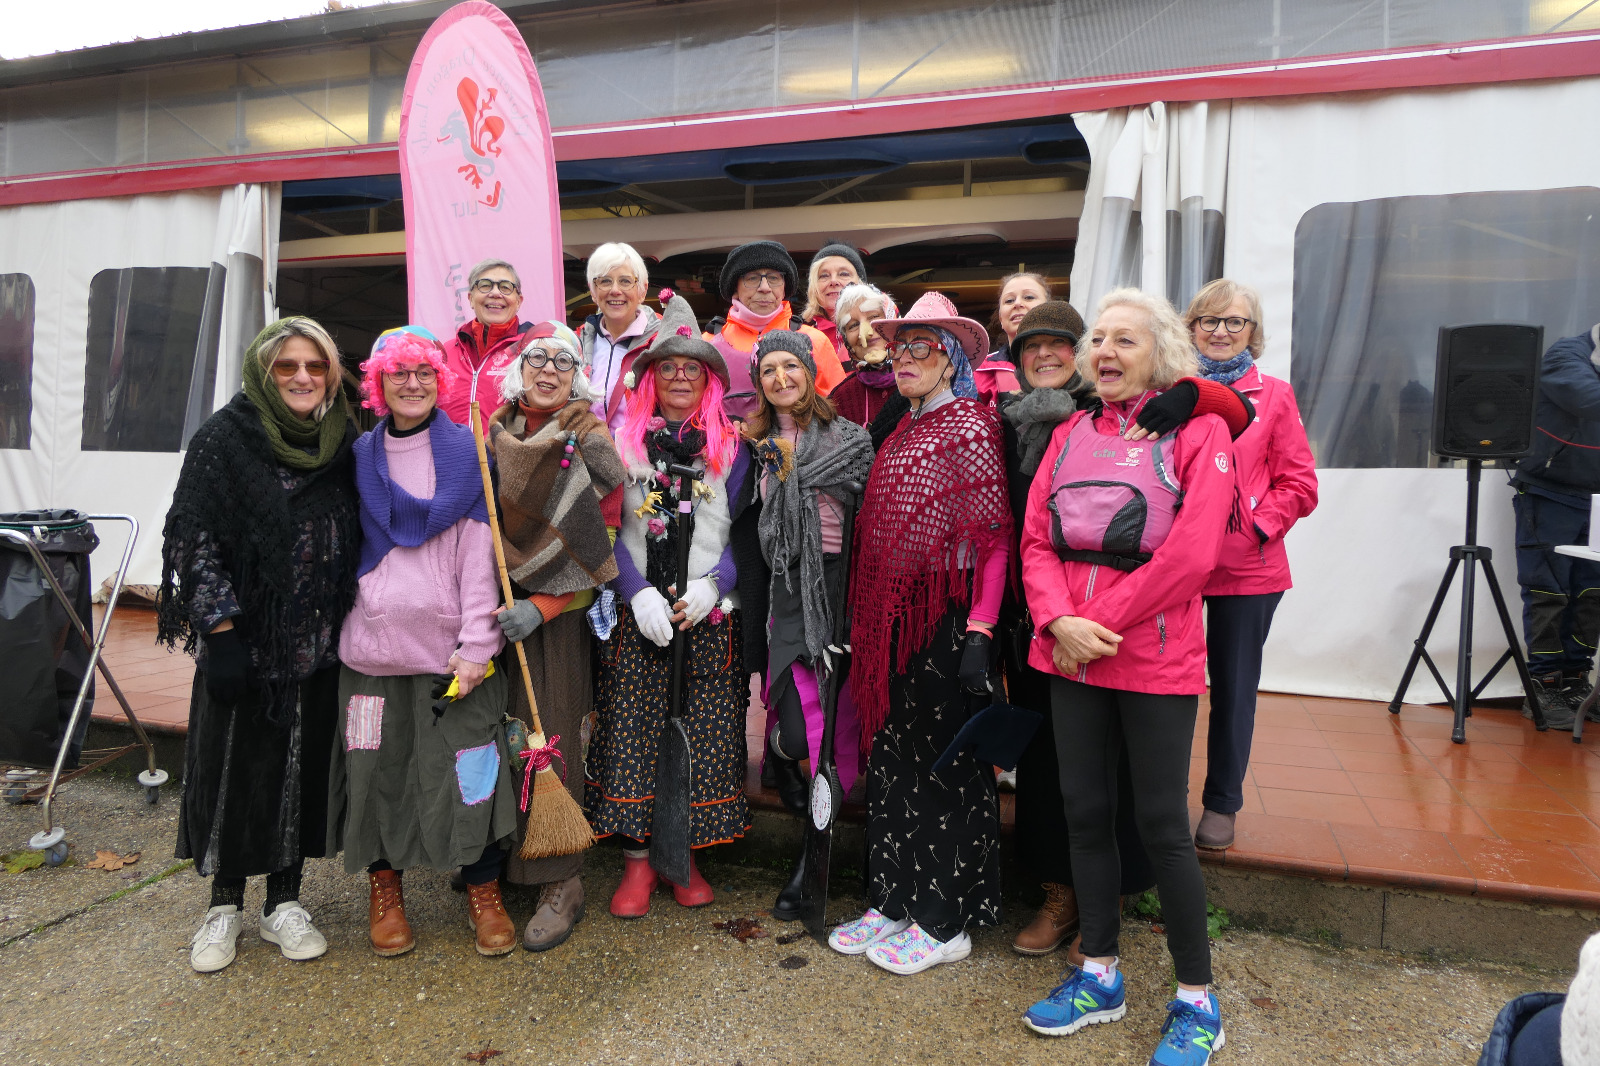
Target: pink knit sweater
{"type": "Point", "coordinates": [419, 604]}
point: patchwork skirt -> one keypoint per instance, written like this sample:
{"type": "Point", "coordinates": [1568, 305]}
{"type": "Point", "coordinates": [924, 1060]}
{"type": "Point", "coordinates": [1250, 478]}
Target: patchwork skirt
{"type": "Point", "coordinates": [414, 788]}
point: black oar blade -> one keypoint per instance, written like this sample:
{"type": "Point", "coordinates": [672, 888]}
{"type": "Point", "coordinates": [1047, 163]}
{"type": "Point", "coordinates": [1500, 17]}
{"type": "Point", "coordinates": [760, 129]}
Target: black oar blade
{"type": "Point", "coordinates": [669, 827]}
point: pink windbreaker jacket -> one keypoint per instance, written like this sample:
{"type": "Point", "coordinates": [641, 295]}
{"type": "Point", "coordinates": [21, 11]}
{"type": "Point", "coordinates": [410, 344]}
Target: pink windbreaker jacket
{"type": "Point", "coordinates": [1156, 608]}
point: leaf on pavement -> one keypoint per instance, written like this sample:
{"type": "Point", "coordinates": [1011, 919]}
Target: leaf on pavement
{"type": "Point", "coordinates": [1264, 1003]}
{"type": "Point", "coordinates": [483, 1056]}
{"type": "Point", "coordinates": [742, 929]}
{"type": "Point", "coordinates": [110, 860]}
{"type": "Point", "coordinates": [18, 861]}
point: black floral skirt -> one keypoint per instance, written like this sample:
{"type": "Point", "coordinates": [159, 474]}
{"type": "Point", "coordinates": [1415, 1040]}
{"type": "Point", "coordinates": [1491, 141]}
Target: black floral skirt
{"type": "Point", "coordinates": [933, 840]}
{"type": "Point", "coordinates": [633, 690]}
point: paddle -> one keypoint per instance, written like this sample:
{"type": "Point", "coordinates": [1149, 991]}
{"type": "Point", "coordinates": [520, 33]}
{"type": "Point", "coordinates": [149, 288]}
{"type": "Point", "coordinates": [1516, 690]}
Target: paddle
{"type": "Point", "coordinates": [669, 826]}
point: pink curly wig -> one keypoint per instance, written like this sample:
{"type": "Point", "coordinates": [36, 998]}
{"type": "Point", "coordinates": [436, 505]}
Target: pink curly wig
{"type": "Point", "coordinates": [721, 437]}
{"type": "Point", "coordinates": [408, 345]}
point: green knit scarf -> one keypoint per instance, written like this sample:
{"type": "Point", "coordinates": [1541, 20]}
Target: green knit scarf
{"type": "Point", "coordinates": [289, 435]}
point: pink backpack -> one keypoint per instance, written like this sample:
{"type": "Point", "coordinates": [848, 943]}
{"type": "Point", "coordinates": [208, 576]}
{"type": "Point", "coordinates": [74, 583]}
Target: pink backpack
{"type": "Point", "coordinates": [1112, 500]}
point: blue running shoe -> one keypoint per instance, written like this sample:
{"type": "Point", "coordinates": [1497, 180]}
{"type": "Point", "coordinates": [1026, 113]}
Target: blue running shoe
{"type": "Point", "coordinates": [1190, 1035]}
{"type": "Point", "coordinates": [1078, 1001]}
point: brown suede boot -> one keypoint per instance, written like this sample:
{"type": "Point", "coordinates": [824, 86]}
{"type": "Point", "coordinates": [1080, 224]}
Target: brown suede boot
{"type": "Point", "coordinates": [386, 914]}
{"type": "Point", "coordinates": [488, 918]}
{"type": "Point", "coordinates": [560, 908]}
{"type": "Point", "coordinates": [1056, 921]}
{"type": "Point", "coordinates": [1215, 831]}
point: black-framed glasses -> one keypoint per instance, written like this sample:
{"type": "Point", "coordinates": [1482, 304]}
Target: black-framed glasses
{"type": "Point", "coordinates": [538, 358]}
{"type": "Point", "coordinates": [425, 375]}
{"type": "Point", "coordinates": [488, 285]}
{"type": "Point", "coordinates": [918, 350]}
{"type": "Point", "coordinates": [1234, 324]}
{"type": "Point", "coordinates": [671, 371]}
{"type": "Point", "coordinates": [756, 277]}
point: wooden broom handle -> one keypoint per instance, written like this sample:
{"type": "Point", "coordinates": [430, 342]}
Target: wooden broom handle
{"type": "Point", "coordinates": [500, 563]}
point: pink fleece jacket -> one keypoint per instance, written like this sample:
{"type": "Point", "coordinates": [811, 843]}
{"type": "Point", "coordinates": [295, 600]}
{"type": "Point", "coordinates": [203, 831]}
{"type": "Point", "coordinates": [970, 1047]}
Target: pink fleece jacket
{"type": "Point", "coordinates": [417, 606]}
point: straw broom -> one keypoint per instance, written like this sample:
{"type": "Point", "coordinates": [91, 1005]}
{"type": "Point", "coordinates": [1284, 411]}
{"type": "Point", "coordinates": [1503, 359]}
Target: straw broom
{"type": "Point", "coordinates": [556, 825]}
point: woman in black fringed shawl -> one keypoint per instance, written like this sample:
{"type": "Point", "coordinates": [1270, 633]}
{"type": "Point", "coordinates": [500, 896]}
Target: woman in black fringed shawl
{"type": "Point", "coordinates": [258, 571]}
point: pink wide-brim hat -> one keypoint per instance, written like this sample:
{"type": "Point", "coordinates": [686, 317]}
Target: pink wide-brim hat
{"type": "Point", "coordinates": [934, 309]}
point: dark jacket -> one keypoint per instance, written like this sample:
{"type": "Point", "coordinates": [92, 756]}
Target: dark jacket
{"type": "Point", "coordinates": [1509, 1022]}
{"type": "Point", "coordinates": [1565, 461]}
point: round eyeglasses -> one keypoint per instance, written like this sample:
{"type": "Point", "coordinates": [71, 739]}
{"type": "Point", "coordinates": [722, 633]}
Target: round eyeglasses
{"type": "Point", "coordinates": [671, 371]}
{"type": "Point", "coordinates": [1209, 323]}
{"type": "Point", "coordinates": [488, 285]}
{"type": "Point", "coordinates": [425, 375]}
{"type": "Point", "coordinates": [538, 358]}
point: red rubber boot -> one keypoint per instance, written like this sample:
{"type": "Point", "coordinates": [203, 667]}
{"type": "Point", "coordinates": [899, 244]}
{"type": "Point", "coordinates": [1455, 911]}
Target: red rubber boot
{"type": "Point", "coordinates": [697, 894]}
{"type": "Point", "coordinates": [632, 898]}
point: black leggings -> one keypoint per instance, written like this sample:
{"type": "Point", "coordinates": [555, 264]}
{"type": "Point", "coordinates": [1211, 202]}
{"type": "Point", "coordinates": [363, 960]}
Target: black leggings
{"type": "Point", "coordinates": [1092, 725]}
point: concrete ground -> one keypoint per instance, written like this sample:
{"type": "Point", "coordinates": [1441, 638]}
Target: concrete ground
{"type": "Point", "coordinates": [96, 969]}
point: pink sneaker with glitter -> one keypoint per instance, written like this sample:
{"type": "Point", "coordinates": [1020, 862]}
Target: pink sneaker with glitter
{"type": "Point", "coordinates": [854, 938]}
{"type": "Point", "coordinates": [913, 951]}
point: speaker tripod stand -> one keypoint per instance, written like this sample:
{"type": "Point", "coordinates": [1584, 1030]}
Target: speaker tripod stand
{"type": "Point", "coordinates": [1471, 554]}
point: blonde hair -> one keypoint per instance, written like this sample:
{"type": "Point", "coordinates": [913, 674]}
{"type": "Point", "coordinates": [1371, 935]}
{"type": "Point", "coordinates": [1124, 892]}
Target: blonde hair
{"type": "Point", "coordinates": [814, 287]}
{"type": "Point", "coordinates": [1216, 297]}
{"type": "Point", "coordinates": [313, 331]}
{"type": "Point", "coordinates": [1173, 355]}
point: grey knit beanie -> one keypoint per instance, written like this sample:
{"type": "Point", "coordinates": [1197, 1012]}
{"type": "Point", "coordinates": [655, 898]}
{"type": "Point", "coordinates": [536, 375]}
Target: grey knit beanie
{"type": "Point", "coordinates": [843, 251]}
{"type": "Point", "coordinates": [784, 340]}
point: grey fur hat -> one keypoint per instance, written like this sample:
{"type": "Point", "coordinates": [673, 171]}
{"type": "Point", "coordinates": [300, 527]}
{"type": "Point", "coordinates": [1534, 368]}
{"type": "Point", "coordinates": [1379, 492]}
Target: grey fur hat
{"type": "Point", "coordinates": [678, 334]}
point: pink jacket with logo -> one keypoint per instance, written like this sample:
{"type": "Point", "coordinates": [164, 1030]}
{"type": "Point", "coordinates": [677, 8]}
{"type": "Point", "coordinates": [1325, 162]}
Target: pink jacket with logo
{"type": "Point", "coordinates": [1277, 479]}
{"type": "Point", "coordinates": [1156, 608]}
{"type": "Point", "coordinates": [478, 375]}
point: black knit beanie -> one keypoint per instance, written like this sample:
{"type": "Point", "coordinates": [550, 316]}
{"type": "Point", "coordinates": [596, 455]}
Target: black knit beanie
{"type": "Point", "coordinates": [785, 340]}
{"type": "Point", "coordinates": [759, 255]}
{"type": "Point", "coordinates": [843, 251]}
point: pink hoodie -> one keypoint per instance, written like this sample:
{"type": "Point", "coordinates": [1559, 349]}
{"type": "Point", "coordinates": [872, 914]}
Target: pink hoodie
{"type": "Point", "coordinates": [419, 604]}
{"type": "Point", "coordinates": [1156, 608]}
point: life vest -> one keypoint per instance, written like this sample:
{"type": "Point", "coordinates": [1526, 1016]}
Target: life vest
{"type": "Point", "coordinates": [1112, 500]}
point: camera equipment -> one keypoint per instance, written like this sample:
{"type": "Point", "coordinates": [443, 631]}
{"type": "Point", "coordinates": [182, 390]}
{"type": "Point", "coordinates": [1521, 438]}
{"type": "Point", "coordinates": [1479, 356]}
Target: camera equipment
{"type": "Point", "coordinates": [1485, 385]}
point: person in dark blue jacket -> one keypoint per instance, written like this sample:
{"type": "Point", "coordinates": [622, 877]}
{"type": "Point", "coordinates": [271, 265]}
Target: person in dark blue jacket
{"type": "Point", "coordinates": [1560, 594]}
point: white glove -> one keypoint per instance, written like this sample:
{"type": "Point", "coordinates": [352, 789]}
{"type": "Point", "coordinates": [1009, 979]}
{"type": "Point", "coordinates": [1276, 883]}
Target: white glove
{"type": "Point", "coordinates": [698, 601]}
{"type": "Point", "coordinates": [650, 610]}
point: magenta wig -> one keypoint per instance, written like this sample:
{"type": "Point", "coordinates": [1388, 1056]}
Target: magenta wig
{"type": "Point", "coordinates": [408, 345]}
{"type": "Point", "coordinates": [721, 437]}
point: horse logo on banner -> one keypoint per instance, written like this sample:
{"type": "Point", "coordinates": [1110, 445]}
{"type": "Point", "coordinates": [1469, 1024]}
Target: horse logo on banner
{"type": "Point", "coordinates": [477, 169]}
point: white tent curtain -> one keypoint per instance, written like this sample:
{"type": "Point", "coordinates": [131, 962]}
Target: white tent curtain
{"type": "Point", "coordinates": [141, 308]}
{"type": "Point", "coordinates": [1153, 210]}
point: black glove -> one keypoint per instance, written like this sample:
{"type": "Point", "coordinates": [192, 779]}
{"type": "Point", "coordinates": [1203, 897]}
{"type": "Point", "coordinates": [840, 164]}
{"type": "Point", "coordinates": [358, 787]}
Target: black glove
{"type": "Point", "coordinates": [974, 672]}
{"type": "Point", "coordinates": [227, 667]}
{"type": "Point", "coordinates": [1170, 410]}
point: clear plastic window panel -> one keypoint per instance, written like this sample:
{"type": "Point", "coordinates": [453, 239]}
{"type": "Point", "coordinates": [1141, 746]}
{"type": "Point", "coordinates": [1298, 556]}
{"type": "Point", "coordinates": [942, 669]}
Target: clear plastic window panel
{"type": "Point", "coordinates": [1374, 280]}
{"type": "Point", "coordinates": [16, 360]}
{"type": "Point", "coordinates": [152, 356]}
{"type": "Point", "coordinates": [635, 62]}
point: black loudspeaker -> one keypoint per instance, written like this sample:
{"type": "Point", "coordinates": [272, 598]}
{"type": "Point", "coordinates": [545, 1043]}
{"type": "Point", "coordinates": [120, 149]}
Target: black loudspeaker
{"type": "Point", "coordinates": [1484, 390]}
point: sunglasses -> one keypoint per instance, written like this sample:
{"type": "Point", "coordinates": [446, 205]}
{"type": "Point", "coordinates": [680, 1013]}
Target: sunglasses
{"type": "Point", "coordinates": [287, 369]}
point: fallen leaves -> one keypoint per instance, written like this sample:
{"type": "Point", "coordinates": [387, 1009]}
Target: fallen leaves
{"type": "Point", "coordinates": [795, 962]}
{"type": "Point", "coordinates": [741, 929]}
{"type": "Point", "coordinates": [1264, 1003]}
{"type": "Point", "coordinates": [26, 859]}
{"type": "Point", "coordinates": [110, 860]}
{"type": "Point", "coordinates": [483, 1056]}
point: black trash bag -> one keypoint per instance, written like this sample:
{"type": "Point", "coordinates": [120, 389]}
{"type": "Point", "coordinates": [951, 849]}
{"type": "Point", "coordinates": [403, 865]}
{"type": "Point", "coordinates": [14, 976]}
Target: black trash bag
{"type": "Point", "coordinates": [43, 658]}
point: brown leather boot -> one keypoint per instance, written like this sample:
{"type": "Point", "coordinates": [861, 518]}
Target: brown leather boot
{"type": "Point", "coordinates": [560, 908]}
{"type": "Point", "coordinates": [488, 918]}
{"type": "Point", "coordinates": [1056, 921]}
{"type": "Point", "coordinates": [386, 914]}
{"type": "Point", "coordinates": [1215, 831]}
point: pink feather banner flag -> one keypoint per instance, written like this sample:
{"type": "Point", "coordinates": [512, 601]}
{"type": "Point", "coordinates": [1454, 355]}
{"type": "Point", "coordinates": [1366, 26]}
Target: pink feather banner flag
{"type": "Point", "coordinates": [477, 169]}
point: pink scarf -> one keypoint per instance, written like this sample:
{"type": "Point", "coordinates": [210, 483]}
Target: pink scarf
{"type": "Point", "coordinates": [753, 322]}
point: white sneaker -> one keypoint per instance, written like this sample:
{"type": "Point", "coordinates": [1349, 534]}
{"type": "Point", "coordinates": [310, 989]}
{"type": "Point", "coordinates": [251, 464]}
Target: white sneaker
{"type": "Point", "coordinates": [290, 928]}
{"type": "Point", "coordinates": [913, 950]}
{"type": "Point", "coordinates": [216, 942]}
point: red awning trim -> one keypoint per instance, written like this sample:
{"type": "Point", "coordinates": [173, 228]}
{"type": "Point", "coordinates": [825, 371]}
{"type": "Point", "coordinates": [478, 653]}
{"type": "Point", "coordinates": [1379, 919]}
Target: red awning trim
{"type": "Point", "coordinates": [1485, 62]}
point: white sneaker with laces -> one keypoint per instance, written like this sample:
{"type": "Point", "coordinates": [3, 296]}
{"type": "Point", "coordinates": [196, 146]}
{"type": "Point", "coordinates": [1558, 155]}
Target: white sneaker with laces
{"type": "Point", "coordinates": [290, 928]}
{"type": "Point", "coordinates": [216, 942]}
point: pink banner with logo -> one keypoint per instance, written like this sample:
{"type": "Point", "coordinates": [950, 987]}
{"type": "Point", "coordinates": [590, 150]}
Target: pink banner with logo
{"type": "Point", "coordinates": [477, 169]}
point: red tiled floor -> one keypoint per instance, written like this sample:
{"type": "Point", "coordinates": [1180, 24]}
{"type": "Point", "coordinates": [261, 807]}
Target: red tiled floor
{"type": "Point", "coordinates": [1337, 789]}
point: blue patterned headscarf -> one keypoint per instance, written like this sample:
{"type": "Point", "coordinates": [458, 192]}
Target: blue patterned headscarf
{"type": "Point", "coordinates": [962, 384]}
